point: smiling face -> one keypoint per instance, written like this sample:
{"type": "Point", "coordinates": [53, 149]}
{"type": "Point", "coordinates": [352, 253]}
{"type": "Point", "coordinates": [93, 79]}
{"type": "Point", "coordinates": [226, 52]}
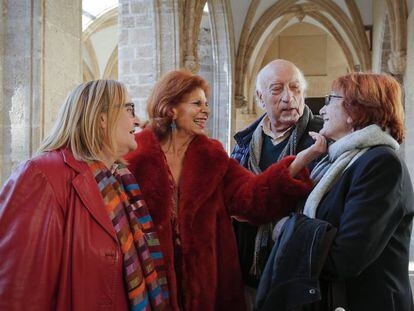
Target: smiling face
{"type": "Point", "coordinates": [124, 130]}
{"type": "Point", "coordinates": [336, 121]}
{"type": "Point", "coordinates": [281, 94]}
{"type": "Point", "coordinates": [192, 113]}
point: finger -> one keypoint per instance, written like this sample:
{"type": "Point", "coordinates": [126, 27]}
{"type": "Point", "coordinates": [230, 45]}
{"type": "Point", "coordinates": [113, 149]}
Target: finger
{"type": "Point", "coordinates": [315, 136]}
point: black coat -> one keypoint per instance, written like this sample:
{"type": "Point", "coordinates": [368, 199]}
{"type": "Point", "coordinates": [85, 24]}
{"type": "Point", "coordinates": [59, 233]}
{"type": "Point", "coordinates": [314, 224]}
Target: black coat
{"type": "Point", "coordinates": [290, 279]}
{"type": "Point", "coordinates": [245, 232]}
{"type": "Point", "coordinates": [371, 205]}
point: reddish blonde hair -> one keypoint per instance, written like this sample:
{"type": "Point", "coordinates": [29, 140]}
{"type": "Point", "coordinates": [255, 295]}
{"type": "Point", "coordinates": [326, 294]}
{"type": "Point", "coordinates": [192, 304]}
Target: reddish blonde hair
{"type": "Point", "coordinates": [373, 99]}
{"type": "Point", "coordinates": [167, 94]}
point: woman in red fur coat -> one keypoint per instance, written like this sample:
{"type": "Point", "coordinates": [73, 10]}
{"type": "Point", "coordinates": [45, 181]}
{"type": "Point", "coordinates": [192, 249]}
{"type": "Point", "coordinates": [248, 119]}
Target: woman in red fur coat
{"type": "Point", "coordinates": [192, 188]}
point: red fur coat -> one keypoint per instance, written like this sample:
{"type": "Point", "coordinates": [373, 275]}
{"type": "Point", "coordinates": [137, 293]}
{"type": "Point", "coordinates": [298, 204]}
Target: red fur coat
{"type": "Point", "coordinates": [213, 188]}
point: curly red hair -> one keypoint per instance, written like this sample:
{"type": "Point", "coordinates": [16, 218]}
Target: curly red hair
{"type": "Point", "coordinates": [167, 94]}
{"type": "Point", "coordinates": [373, 99]}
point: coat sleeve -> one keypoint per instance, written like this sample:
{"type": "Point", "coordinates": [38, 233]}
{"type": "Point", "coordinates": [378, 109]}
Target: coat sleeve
{"type": "Point", "coordinates": [270, 195]}
{"type": "Point", "coordinates": [371, 214]}
{"type": "Point", "coordinates": [31, 225]}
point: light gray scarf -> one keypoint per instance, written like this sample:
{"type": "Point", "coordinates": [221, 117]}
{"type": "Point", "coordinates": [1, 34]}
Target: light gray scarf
{"type": "Point", "coordinates": [341, 155]}
{"type": "Point", "coordinates": [264, 232]}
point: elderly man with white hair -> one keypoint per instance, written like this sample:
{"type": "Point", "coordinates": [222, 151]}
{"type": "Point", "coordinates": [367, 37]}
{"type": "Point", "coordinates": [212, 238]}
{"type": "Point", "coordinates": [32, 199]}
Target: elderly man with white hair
{"type": "Point", "coordinates": [283, 130]}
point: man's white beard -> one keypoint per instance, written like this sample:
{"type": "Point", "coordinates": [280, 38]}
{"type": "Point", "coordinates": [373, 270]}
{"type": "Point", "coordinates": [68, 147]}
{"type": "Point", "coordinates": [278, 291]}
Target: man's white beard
{"type": "Point", "coordinates": [292, 118]}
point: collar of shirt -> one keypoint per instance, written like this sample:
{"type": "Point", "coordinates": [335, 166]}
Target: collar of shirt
{"type": "Point", "coordinates": [276, 139]}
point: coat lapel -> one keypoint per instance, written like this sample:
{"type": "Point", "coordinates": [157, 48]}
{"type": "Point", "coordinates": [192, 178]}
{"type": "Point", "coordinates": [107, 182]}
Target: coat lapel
{"type": "Point", "coordinates": [148, 165]}
{"type": "Point", "coordinates": [204, 166]}
{"type": "Point", "coordinates": [85, 186]}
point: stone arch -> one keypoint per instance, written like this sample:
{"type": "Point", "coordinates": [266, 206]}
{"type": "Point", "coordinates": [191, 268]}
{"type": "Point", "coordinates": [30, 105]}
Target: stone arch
{"type": "Point", "coordinates": [167, 34]}
{"type": "Point", "coordinates": [397, 17]}
{"type": "Point", "coordinates": [325, 22]}
{"type": "Point", "coordinates": [385, 46]}
{"type": "Point", "coordinates": [356, 35]}
{"type": "Point", "coordinates": [191, 19]}
{"type": "Point", "coordinates": [107, 19]}
{"type": "Point", "coordinates": [92, 71]}
{"type": "Point", "coordinates": [360, 28]}
{"type": "Point", "coordinates": [312, 10]}
{"type": "Point", "coordinates": [357, 45]}
{"type": "Point", "coordinates": [256, 59]}
{"type": "Point", "coordinates": [111, 69]}
{"type": "Point", "coordinates": [87, 74]}
{"type": "Point", "coordinates": [281, 6]}
{"type": "Point", "coordinates": [222, 86]}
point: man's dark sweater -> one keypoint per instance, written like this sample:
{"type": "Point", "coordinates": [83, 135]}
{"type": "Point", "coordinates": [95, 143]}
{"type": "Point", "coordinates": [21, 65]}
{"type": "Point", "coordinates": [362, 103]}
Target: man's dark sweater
{"type": "Point", "coordinates": [270, 153]}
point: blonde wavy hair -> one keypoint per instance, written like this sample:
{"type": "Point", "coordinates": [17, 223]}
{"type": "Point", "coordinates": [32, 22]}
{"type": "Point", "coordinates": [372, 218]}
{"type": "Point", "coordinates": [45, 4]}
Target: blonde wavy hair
{"type": "Point", "coordinates": [78, 123]}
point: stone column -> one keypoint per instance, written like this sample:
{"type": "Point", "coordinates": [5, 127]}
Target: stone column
{"type": "Point", "coordinates": [41, 54]}
{"type": "Point", "coordinates": [205, 55]}
{"type": "Point", "coordinates": [148, 45]}
{"type": "Point", "coordinates": [409, 98]}
{"type": "Point", "coordinates": [223, 72]}
{"type": "Point", "coordinates": [2, 110]}
{"type": "Point", "coordinates": [409, 114]}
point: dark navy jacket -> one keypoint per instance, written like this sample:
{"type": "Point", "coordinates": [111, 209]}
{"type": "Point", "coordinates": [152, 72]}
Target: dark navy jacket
{"type": "Point", "coordinates": [246, 233]}
{"type": "Point", "coordinates": [372, 206]}
{"type": "Point", "coordinates": [291, 276]}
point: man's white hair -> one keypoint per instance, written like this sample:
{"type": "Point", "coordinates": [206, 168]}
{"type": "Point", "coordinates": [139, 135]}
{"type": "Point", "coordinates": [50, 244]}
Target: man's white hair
{"type": "Point", "coordinates": [301, 77]}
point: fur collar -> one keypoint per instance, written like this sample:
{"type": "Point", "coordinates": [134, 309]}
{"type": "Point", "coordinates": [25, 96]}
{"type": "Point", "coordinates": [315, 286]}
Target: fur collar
{"type": "Point", "coordinates": [205, 164]}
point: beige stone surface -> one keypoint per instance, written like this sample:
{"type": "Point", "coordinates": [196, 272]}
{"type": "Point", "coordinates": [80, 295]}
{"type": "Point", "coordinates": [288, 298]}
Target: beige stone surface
{"type": "Point", "coordinates": [314, 47]}
{"type": "Point", "coordinates": [42, 56]}
{"type": "Point", "coordinates": [2, 108]}
{"type": "Point", "coordinates": [382, 36]}
{"type": "Point", "coordinates": [137, 49]}
{"type": "Point", "coordinates": [409, 98]}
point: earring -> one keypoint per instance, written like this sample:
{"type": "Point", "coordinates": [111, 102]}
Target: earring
{"type": "Point", "coordinates": [173, 125]}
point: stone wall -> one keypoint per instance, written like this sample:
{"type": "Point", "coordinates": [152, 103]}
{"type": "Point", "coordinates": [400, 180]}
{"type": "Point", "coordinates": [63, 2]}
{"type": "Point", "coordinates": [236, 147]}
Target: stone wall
{"type": "Point", "coordinates": [3, 17]}
{"type": "Point", "coordinates": [409, 97]}
{"type": "Point", "coordinates": [41, 54]}
{"type": "Point", "coordinates": [381, 39]}
{"type": "Point", "coordinates": [379, 19]}
{"type": "Point", "coordinates": [223, 71]}
{"type": "Point", "coordinates": [148, 44]}
{"type": "Point", "coordinates": [61, 58]}
{"type": "Point", "coordinates": [137, 49]}
{"type": "Point", "coordinates": [409, 118]}
{"type": "Point", "coordinates": [205, 56]}
{"type": "Point", "coordinates": [386, 46]}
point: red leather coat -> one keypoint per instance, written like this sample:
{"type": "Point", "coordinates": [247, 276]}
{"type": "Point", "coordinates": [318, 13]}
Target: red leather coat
{"type": "Point", "coordinates": [58, 248]}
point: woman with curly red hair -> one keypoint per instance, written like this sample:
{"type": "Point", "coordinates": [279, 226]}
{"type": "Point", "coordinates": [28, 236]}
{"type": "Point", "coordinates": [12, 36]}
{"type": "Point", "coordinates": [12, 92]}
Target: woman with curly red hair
{"type": "Point", "coordinates": [364, 190]}
{"type": "Point", "coordinates": [192, 189]}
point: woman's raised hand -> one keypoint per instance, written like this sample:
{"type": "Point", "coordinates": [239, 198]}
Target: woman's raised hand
{"type": "Point", "coordinates": [305, 157]}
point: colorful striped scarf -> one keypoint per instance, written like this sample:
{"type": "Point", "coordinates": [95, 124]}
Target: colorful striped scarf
{"type": "Point", "coordinates": [143, 263]}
